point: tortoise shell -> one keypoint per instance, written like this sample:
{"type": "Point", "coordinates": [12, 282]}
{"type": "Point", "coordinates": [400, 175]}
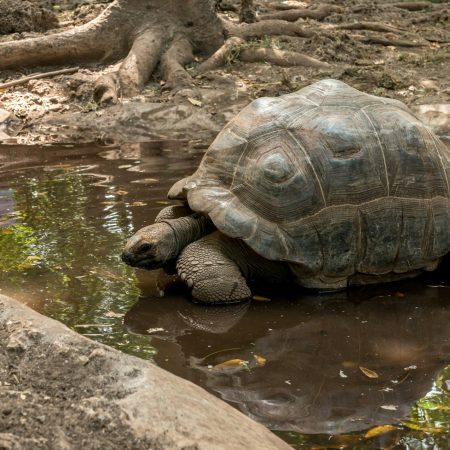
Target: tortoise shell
{"type": "Point", "coordinates": [330, 179]}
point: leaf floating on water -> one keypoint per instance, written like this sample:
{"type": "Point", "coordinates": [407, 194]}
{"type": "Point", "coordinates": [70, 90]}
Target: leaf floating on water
{"type": "Point", "coordinates": [26, 266]}
{"type": "Point", "coordinates": [389, 407]}
{"type": "Point", "coordinates": [424, 428]}
{"type": "Point", "coordinates": [155, 330]}
{"type": "Point", "coordinates": [121, 192]}
{"type": "Point", "coordinates": [260, 360]}
{"type": "Point", "coordinates": [195, 102]}
{"type": "Point", "coordinates": [259, 298]}
{"type": "Point", "coordinates": [138, 204]}
{"type": "Point", "coordinates": [381, 429]}
{"type": "Point", "coordinates": [342, 374]}
{"type": "Point", "coordinates": [232, 364]}
{"type": "Point", "coordinates": [163, 202]}
{"type": "Point", "coordinates": [398, 294]}
{"type": "Point", "coordinates": [368, 373]}
{"type": "Point", "coordinates": [113, 314]}
{"type": "Point", "coordinates": [34, 258]}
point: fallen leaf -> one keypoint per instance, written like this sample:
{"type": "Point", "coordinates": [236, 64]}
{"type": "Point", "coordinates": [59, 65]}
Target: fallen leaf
{"type": "Point", "coordinates": [113, 314]}
{"type": "Point", "coordinates": [381, 429]}
{"type": "Point", "coordinates": [121, 192]}
{"type": "Point", "coordinates": [259, 298]}
{"type": "Point", "coordinates": [389, 407]}
{"type": "Point", "coordinates": [154, 330]}
{"type": "Point", "coordinates": [138, 204]}
{"type": "Point", "coordinates": [231, 363]}
{"type": "Point", "coordinates": [425, 428]}
{"type": "Point", "coordinates": [34, 258]}
{"type": "Point", "coordinates": [163, 202]}
{"type": "Point", "coordinates": [342, 374]}
{"type": "Point", "coordinates": [195, 102]}
{"type": "Point", "coordinates": [368, 373]}
{"type": "Point", "coordinates": [260, 360]}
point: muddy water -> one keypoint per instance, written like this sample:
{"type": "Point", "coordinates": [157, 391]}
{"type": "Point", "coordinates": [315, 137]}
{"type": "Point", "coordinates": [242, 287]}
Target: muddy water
{"type": "Point", "coordinates": [318, 370]}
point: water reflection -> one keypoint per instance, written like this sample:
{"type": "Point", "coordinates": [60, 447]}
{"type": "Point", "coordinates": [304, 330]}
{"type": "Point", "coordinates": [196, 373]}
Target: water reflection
{"type": "Point", "coordinates": [64, 216]}
{"type": "Point", "coordinates": [314, 348]}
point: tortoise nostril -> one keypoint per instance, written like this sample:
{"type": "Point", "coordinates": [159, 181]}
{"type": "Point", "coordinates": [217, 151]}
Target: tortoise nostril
{"type": "Point", "coordinates": [127, 257]}
{"type": "Point", "coordinates": [144, 248]}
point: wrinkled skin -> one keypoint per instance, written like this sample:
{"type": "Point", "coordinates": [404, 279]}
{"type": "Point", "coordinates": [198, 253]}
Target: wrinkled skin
{"type": "Point", "coordinates": [215, 267]}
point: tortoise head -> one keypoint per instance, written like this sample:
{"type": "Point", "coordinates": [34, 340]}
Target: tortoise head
{"type": "Point", "coordinates": [151, 247]}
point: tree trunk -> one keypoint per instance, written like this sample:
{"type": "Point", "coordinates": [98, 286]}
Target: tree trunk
{"type": "Point", "coordinates": [145, 32]}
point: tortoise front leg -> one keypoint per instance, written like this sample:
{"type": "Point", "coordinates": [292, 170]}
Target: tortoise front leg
{"type": "Point", "coordinates": [209, 266]}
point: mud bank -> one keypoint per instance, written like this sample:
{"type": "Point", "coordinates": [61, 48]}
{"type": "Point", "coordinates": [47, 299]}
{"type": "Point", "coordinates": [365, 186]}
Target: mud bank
{"type": "Point", "coordinates": [59, 390]}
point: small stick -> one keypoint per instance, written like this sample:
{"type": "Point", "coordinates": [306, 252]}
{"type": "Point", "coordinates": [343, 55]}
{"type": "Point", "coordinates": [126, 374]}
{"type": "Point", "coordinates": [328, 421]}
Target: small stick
{"type": "Point", "coordinates": [36, 76]}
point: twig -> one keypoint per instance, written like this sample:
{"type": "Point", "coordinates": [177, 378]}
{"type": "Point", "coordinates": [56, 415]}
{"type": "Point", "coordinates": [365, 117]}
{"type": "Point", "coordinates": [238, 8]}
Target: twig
{"type": "Point", "coordinates": [36, 76]}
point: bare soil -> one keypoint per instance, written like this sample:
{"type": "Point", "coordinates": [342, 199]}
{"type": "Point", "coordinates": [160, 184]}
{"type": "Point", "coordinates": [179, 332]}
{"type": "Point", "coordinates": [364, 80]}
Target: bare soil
{"type": "Point", "coordinates": [62, 391]}
{"type": "Point", "coordinates": [377, 47]}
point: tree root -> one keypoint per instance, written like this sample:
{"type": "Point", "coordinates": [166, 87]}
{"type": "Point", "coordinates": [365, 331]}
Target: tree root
{"type": "Point", "coordinates": [266, 27]}
{"type": "Point", "coordinates": [371, 26]}
{"type": "Point", "coordinates": [414, 6]}
{"type": "Point", "coordinates": [37, 76]}
{"type": "Point", "coordinates": [218, 59]}
{"type": "Point", "coordinates": [387, 42]}
{"type": "Point", "coordinates": [281, 58]}
{"type": "Point", "coordinates": [173, 62]}
{"type": "Point", "coordinates": [247, 12]}
{"type": "Point", "coordinates": [292, 15]}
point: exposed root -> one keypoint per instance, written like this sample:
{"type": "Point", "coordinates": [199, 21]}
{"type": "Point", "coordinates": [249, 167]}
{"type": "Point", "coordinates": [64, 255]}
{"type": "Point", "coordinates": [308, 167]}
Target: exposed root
{"type": "Point", "coordinates": [90, 42]}
{"type": "Point", "coordinates": [106, 89]}
{"type": "Point", "coordinates": [414, 6]}
{"type": "Point", "coordinates": [37, 76]}
{"type": "Point", "coordinates": [292, 15]}
{"type": "Point", "coordinates": [247, 12]}
{"type": "Point", "coordinates": [266, 27]}
{"type": "Point", "coordinates": [140, 62]}
{"type": "Point", "coordinates": [218, 58]}
{"type": "Point", "coordinates": [173, 62]}
{"type": "Point", "coordinates": [386, 42]}
{"type": "Point", "coordinates": [371, 26]}
{"type": "Point", "coordinates": [280, 58]}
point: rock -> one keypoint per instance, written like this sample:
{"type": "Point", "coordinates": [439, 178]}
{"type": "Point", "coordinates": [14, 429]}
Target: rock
{"type": "Point", "coordinates": [114, 401]}
{"type": "Point", "coordinates": [4, 115]}
{"type": "Point", "coordinates": [437, 116]}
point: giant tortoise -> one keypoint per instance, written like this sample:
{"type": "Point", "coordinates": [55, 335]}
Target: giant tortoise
{"type": "Point", "coordinates": [327, 186]}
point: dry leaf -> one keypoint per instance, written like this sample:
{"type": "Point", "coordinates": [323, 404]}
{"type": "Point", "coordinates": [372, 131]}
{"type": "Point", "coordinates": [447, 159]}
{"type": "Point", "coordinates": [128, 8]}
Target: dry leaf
{"type": "Point", "coordinates": [195, 102]}
{"type": "Point", "coordinates": [231, 363]}
{"type": "Point", "coordinates": [368, 373]}
{"type": "Point", "coordinates": [389, 407]}
{"type": "Point", "coordinates": [121, 192]}
{"type": "Point", "coordinates": [260, 360]}
{"type": "Point", "coordinates": [163, 202]}
{"type": "Point", "coordinates": [381, 429]}
{"type": "Point", "coordinates": [138, 204]}
{"type": "Point", "coordinates": [259, 298]}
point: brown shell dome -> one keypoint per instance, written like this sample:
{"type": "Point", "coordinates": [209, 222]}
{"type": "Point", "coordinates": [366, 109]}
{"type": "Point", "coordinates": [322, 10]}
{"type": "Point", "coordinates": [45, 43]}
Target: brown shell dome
{"type": "Point", "coordinates": [333, 179]}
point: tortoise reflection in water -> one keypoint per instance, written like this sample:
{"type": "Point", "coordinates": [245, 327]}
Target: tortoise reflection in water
{"type": "Point", "coordinates": [327, 186]}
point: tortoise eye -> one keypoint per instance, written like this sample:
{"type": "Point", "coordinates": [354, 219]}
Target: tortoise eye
{"type": "Point", "coordinates": [276, 167]}
{"type": "Point", "coordinates": [144, 248]}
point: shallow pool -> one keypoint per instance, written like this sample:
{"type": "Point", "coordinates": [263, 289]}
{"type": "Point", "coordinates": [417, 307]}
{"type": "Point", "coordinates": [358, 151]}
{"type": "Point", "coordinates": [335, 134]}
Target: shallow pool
{"type": "Point", "coordinates": [318, 370]}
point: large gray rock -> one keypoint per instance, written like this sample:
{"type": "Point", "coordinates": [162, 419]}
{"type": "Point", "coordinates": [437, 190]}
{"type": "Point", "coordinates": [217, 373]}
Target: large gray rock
{"type": "Point", "coordinates": [60, 390]}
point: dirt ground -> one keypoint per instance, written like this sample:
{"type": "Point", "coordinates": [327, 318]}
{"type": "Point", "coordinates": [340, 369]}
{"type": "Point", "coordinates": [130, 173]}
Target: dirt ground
{"type": "Point", "coordinates": [62, 391]}
{"type": "Point", "coordinates": [408, 60]}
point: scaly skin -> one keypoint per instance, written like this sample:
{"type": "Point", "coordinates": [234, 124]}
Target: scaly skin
{"type": "Point", "coordinates": [217, 267]}
{"type": "Point", "coordinates": [153, 246]}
